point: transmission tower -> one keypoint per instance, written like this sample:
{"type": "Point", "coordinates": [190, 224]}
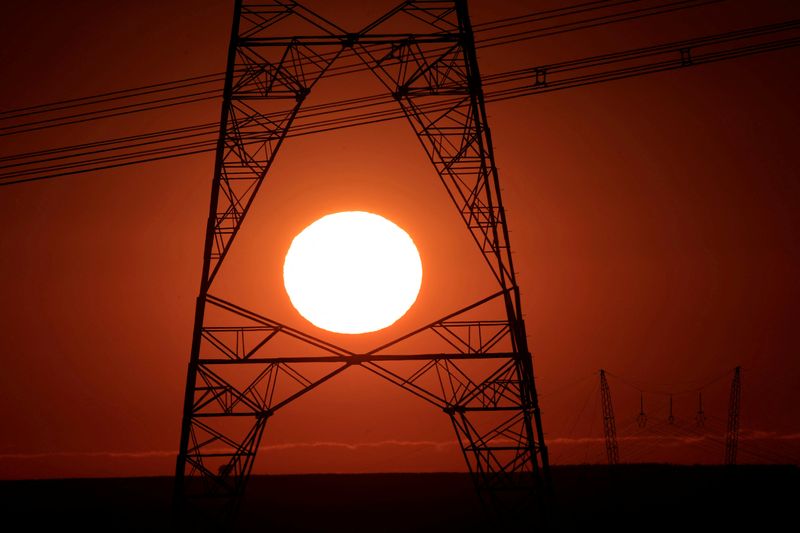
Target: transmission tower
{"type": "Point", "coordinates": [732, 434]}
{"type": "Point", "coordinates": [480, 374]}
{"type": "Point", "coordinates": [641, 418]}
{"type": "Point", "coordinates": [700, 417]}
{"type": "Point", "coordinates": [609, 424]}
{"type": "Point", "coordinates": [670, 417]}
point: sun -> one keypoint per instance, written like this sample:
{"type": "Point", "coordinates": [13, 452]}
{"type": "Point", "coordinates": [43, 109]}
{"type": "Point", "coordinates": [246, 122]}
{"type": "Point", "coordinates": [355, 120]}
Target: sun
{"type": "Point", "coordinates": [352, 272]}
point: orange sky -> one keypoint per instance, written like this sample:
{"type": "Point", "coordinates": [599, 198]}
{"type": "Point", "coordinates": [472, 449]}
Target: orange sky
{"type": "Point", "coordinates": [654, 222]}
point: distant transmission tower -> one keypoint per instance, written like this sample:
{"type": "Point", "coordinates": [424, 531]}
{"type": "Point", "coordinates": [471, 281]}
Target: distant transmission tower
{"type": "Point", "coordinates": [732, 434]}
{"type": "Point", "coordinates": [609, 424]}
{"type": "Point", "coordinates": [671, 417]}
{"type": "Point", "coordinates": [477, 371]}
{"type": "Point", "coordinates": [700, 417]}
{"type": "Point", "coordinates": [641, 418]}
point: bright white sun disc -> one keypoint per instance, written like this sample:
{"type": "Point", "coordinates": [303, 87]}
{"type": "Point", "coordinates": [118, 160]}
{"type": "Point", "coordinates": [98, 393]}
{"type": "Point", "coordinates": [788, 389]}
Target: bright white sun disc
{"type": "Point", "coordinates": [352, 272]}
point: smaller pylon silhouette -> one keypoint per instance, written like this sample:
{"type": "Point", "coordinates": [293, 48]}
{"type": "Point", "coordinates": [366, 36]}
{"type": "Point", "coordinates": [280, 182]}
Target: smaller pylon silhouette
{"type": "Point", "coordinates": [700, 418]}
{"type": "Point", "coordinates": [732, 435]}
{"type": "Point", "coordinates": [609, 424]}
{"type": "Point", "coordinates": [671, 417]}
{"type": "Point", "coordinates": [641, 418]}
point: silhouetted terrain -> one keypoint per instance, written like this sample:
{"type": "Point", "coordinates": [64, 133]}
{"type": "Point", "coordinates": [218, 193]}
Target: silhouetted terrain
{"type": "Point", "coordinates": [624, 498]}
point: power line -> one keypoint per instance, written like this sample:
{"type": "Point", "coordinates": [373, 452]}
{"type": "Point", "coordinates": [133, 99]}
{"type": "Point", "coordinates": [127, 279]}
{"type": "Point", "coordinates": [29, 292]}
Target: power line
{"type": "Point", "coordinates": [338, 114]}
{"type": "Point", "coordinates": [117, 111]}
{"type": "Point", "coordinates": [705, 384]}
{"type": "Point", "coordinates": [112, 96]}
{"type": "Point", "coordinates": [596, 22]}
{"type": "Point", "coordinates": [104, 143]}
{"type": "Point", "coordinates": [338, 70]}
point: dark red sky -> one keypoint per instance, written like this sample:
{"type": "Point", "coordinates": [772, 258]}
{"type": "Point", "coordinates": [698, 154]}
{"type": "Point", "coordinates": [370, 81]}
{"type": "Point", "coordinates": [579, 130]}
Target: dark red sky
{"type": "Point", "coordinates": [654, 220]}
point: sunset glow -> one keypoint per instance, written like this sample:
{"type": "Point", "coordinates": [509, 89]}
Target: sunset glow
{"type": "Point", "coordinates": [352, 272]}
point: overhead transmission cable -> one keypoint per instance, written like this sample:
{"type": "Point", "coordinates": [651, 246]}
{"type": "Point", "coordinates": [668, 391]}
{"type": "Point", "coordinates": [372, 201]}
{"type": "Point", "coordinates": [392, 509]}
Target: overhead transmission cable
{"type": "Point", "coordinates": [336, 70]}
{"type": "Point", "coordinates": [219, 77]}
{"type": "Point", "coordinates": [324, 117]}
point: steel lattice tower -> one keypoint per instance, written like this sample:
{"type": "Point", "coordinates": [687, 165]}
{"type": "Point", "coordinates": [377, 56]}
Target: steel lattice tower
{"type": "Point", "coordinates": [732, 433]}
{"type": "Point", "coordinates": [481, 375]}
{"type": "Point", "coordinates": [609, 422]}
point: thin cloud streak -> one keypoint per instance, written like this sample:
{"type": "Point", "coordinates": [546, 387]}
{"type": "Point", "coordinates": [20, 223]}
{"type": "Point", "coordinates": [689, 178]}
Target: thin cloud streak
{"type": "Point", "coordinates": [669, 440]}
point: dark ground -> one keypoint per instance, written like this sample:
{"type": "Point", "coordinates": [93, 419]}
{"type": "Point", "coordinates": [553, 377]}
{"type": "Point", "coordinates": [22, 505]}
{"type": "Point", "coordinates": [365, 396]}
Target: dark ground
{"type": "Point", "coordinates": [623, 498]}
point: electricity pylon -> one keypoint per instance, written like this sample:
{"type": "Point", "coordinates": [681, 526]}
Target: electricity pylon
{"type": "Point", "coordinates": [700, 417]}
{"type": "Point", "coordinates": [478, 371]}
{"type": "Point", "coordinates": [641, 418]}
{"type": "Point", "coordinates": [732, 433]}
{"type": "Point", "coordinates": [609, 423]}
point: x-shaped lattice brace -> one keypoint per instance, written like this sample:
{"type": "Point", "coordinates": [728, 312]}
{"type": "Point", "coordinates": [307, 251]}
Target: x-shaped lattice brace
{"type": "Point", "coordinates": [478, 371]}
